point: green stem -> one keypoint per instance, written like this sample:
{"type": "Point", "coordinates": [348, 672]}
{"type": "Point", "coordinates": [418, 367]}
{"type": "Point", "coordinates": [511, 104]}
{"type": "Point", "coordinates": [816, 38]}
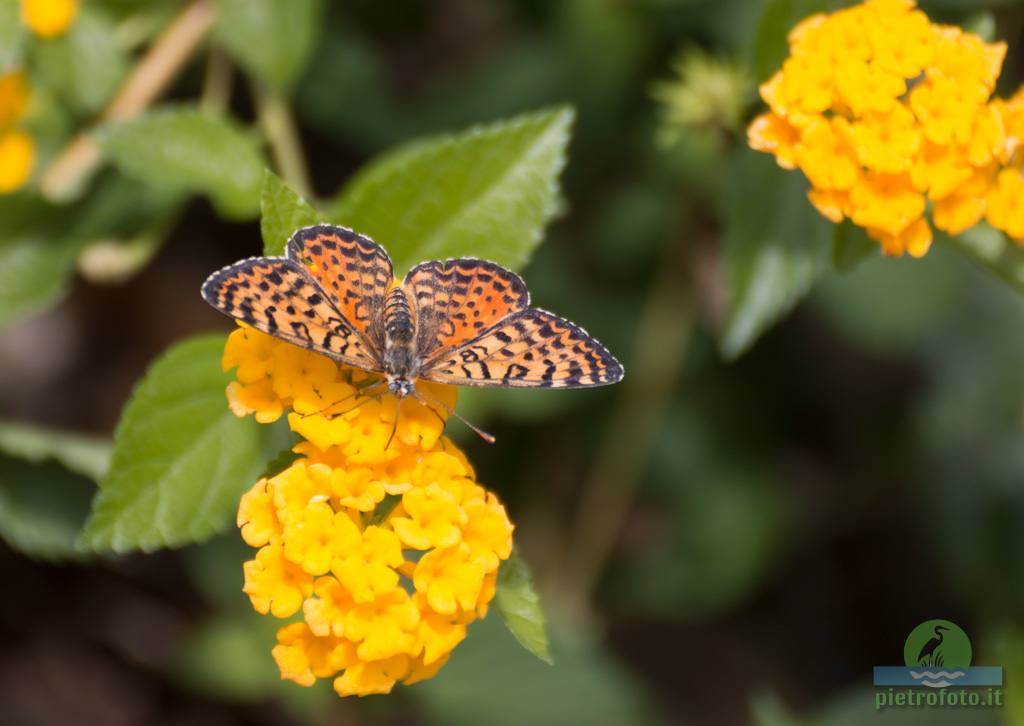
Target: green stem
{"type": "Point", "coordinates": [659, 356]}
{"type": "Point", "coordinates": [278, 124]}
{"type": "Point", "coordinates": [66, 175]}
{"type": "Point", "coordinates": [216, 93]}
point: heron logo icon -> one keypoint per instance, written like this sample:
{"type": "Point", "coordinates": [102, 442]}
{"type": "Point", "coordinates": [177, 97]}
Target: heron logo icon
{"type": "Point", "coordinates": [937, 644]}
{"type": "Point", "coordinates": [937, 654]}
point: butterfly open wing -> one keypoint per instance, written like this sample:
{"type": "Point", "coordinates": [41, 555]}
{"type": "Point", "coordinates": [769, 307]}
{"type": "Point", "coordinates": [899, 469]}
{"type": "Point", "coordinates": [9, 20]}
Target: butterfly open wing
{"type": "Point", "coordinates": [354, 272]}
{"type": "Point", "coordinates": [456, 300]}
{"type": "Point", "coordinates": [531, 348]}
{"type": "Point", "coordinates": [474, 326]}
{"type": "Point", "coordinates": [277, 296]}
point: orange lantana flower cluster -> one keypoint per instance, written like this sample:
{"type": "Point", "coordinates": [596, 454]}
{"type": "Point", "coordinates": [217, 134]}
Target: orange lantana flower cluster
{"type": "Point", "coordinates": [888, 114]}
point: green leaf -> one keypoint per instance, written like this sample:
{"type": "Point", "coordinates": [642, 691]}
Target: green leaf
{"type": "Point", "coordinates": [771, 45]}
{"type": "Point", "coordinates": [921, 296]}
{"type": "Point", "coordinates": [85, 455]}
{"type": "Point", "coordinates": [33, 274]}
{"type": "Point", "coordinates": [12, 34]}
{"type": "Point", "coordinates": [384, 509]}
{"type": "Point", "coordinates": [226, 657]}
{"type": "Point", "coordinates": [182, 149]}
{"type": "Point", "coordinates": [126, 223]}
{"type": "Point", "coordinates": [38, 248]}
{"type": "Point", "coordinates": [993, 250]}
{"type": "Point", "coordinates": [850, 246]}
{"type": "Point", "coordinates": [491, 680]}
{"type": "Point", "coordinates": [776, 245]}
{"type": "Point", "coordinates": [982, 24]}
{"type": "Point", "coordinates": [272, 39]}
{"type": "Point", "coordinates": [283, 212]}
{"type": "Point", "coordinates": [85, 66]}
{"type": "Point", "coordinates": [181, 458]}
{"type": "Point", "coordinates": [520, 607]}
{"type": "Point", "coordinates": [283, 459]}
{"type": "Point", "coordinates": [42, 507]}
{"type": "Point", "coordinates": [41, 242]}
{"type": "Point", "coordinates": [486, 192]}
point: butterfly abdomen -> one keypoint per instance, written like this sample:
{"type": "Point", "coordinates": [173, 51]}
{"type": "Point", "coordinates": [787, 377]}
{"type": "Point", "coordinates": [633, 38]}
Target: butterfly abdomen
{"type": "Point", "coordinates": [399, 335]}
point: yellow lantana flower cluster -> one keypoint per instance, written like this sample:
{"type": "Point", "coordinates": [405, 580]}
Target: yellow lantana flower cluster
{"type": "Point", "coordinates": [17, 149]}
{"type": "Point", "coordinates": [377, 534]}
{"type": "Point", "coordinates": [887, 114]}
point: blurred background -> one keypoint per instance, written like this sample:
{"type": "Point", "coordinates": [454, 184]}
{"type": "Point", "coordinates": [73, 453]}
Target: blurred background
{"type": "Point", "coordinates": [736, 534]}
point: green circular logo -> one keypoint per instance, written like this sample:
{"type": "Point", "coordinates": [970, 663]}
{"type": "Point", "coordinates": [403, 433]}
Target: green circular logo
{"type": "Point", "coordinates": [937, 644]}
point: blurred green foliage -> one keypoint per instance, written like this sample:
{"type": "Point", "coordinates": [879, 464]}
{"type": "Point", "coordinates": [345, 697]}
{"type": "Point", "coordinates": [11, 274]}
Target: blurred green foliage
{"type": "Point", "coordinates": [181, 149]}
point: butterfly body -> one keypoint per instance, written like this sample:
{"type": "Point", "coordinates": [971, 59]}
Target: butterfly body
{"type": "Point", "coordinates": [399, 360]}
{"type": "Point", "coordinates": [462, 321]}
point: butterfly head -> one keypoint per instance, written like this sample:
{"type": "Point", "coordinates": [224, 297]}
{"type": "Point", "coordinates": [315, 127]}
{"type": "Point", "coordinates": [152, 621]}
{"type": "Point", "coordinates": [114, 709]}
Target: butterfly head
{"type": "Point", "coordinates": [400, 386]}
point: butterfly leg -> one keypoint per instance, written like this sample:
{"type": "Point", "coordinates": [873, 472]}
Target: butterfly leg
{"type": "Point", "coordinates": [329, 406]}
{"type": "Point", "coordinates": [358, 392]}
{"type": "Point", "coordinates": [394, 426]}
{"type": "Point", "coordinates": [427, 400]}
{"type": "Point", "coordinates": [364, 392]}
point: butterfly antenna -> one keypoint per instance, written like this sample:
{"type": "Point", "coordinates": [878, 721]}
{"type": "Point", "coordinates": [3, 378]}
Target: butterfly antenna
{"type": "Point", "coordinates": [423, 398]}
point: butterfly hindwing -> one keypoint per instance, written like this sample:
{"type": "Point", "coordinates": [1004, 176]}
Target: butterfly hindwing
{"type": "Point", "coordinates": [275, 295]}
{"type": "Point", "coordinates": [354, 272]}
{"type": "Point", "coordinates": [530, 349]}
{"type": "Point", "coordinates": [456, 300]}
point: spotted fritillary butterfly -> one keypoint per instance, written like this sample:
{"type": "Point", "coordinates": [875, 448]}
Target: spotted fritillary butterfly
{"type": "Point", "coordinates": [464, 321]}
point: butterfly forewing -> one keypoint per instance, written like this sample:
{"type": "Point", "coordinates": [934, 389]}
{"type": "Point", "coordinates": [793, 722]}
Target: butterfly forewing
{"type": "Point", "coordinates": [277, 296]}
{"type": "Point", "coordinates": [456, 300]}
{"type": "Point", "coordinates": [530, 349]}
{"type": "Point", "coordinates": [354, 272]}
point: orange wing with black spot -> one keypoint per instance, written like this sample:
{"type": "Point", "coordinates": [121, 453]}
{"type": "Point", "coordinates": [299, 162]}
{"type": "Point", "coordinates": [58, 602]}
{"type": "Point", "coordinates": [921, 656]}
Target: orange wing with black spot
{"type": "Point", "coordinates": [354, 271]}
{"type": "Point", "coordinates": [456, 300]}
{"type": "Point", "coordinates": [277, 296]}
{"type": "Point", "coordinates": [531, 348]}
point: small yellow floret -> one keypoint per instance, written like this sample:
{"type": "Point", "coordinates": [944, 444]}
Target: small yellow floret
{"type": "Point", "coordinates": [17, 157]}
{"type": "Point", "coordinates": [1006, 203]}
{"type": "Point", "coordinates": [48, 18]}
{"type": "Point", "coordinates": [274, 584]}
{"type": "Point", "coordinates": [257, 516]}
{"type": "Point", "coordinates": [13, 97]}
